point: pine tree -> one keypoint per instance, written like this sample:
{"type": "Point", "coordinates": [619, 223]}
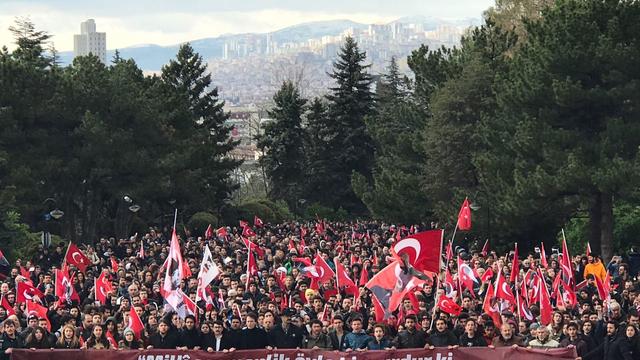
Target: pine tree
{"type": "Point", "coordinates": [348, 143]}
{"type": "Point", "coordinates": [202, 136]}
{"type": "Point", "coordinates": [283, 145]}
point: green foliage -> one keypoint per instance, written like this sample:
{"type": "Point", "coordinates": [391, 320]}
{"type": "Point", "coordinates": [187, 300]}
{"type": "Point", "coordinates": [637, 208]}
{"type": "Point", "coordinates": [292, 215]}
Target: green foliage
{"type": "Point", "coordinates": [283, 145]}
{"type": "Point", "coordinates": [266, 210]}
{"type": "Point", "coordinates": [317, 210]}
{"type": "Point", "coordinates": [342, 142]}
{"type": "Point", "coordinates": [201, 220]}
{"type": "Point", "coordinates": [88, 134]}
{"type": "Point", "coordinates": [20, 242]}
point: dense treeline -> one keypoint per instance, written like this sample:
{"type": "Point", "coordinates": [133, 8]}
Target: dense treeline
{"type": "Point", "coordinates": [535, 117]}
{"type": "Point", "coordinates": [97, 140]}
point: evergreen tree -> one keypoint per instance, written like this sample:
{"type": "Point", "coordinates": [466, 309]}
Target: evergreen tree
{"type": "Point", "coordinates": [283, 145]}
{"type": "Point", "coordinates": [348, 143]}
{"type": "Point", "coordinates": [200, 160]}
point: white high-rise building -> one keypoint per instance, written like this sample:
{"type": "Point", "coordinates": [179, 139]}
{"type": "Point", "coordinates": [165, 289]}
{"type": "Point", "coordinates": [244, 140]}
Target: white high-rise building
{"type": "Point", "coordinates": [90, 42]}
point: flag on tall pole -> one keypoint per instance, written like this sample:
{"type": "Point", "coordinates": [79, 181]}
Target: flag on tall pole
{"type": "Point", "coordinates": [464, 216]}
{"type": "Point", "coordinates": [75, 257]}
{"type": "Point", "coordinates": [515, 266]}
{"type": "Point", "coordinates": [543, 256]}
{"type": "Point", "coordinates": [485, 248]}
{"type": "Point", "coordinates": [588, 249]}
{"type": "Point", "coordinates": [208, 272]}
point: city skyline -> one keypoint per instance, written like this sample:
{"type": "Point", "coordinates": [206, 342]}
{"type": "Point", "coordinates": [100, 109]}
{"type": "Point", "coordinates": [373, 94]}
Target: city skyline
{"type": "Point", "coordinates": [130, 24]}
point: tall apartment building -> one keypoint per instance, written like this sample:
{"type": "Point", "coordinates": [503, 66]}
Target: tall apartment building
{"type": "Point", "coordinates": [90, 42]}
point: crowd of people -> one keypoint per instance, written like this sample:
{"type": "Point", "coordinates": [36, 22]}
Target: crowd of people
{"type": "Point", "coordinates": [279, 307]}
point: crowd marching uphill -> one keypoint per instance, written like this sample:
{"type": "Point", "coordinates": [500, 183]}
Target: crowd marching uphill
{"type": "Point", "coordinates": [328, 285]}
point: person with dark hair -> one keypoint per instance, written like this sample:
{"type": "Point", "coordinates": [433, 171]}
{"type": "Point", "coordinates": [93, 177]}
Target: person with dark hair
{"type": "Point", "coordinates": [614, 347]}
{"type": "Point", "coordinates": [189, 337]}
{"type": "Point", "coordinates": [98, 340]}
{"type": "Point", "coordinates": [129, 341]}
{"type": "Point", "coordinates": [316, 339]}
{"type": "Point", "coordinates": [470, 337]}
{"type": "Point", "coordinates": [252, 336]}
{"type": "Point", "coordinates": [163, 338]}
{"type": "Point", "coordinates": [220, 341]}
{"type": "Point", "coordinates": [410, 337]}
{"type": "Point", "coordinates": [379, 341]}
{"type": "Point", "coordinates": [573, 339]}
{"type": "Point", "coordinates": [357, 339]}
{"type": "Point", "coordinates": [293, 334]}
{"type": "Point", "coordinates": [38, 339]}
{"type": "Point", "coordinates": [336, 334]}
{"type": "Point", "coordinates": [442, 336]}
{"type": "Point", "coordinates": [9, 339]}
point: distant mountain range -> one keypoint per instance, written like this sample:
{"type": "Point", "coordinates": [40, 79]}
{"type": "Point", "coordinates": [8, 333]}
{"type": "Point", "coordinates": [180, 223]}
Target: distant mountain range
{"type": "Point", "coordinates": [151, 57]}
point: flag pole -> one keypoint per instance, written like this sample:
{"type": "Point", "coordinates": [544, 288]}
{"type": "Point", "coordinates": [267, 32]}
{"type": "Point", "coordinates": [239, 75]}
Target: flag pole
{"type": "Point", "coordinates": [518, 303]}
{"type": "Point", "coordinates": [175, 219]}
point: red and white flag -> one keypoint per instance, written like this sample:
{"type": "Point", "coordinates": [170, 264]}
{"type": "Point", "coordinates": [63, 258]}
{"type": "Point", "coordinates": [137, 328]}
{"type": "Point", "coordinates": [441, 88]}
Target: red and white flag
{"type": "Point", "coordinates": [364, 276]}
{"type": "Point", "coordinates": [102, 288]}
{"type": "Point", "coordinates": [546, 310]}
{"type": "Point", "coordinates": [448, 285]}
{"type": "Point", "coordinates": [515, 266]}
{"type": "Point", "coordinates": [174, 272]}
{"type": "Point", "coordinates": [7, 307]}
{"type": "Point", "coordinates": [252, 267]}
{"type": "Point", "coordinates": [423, 250]}
{"type": "Point", "coordinates": [325, 273]}
{"type": "Point", "coordinates": [135, 323]}
{"type": "Point", "coordinates": [25, 291]}
{"type": "Point", "coordinates": [503, 291]}
{"type": "Point", "coordinates": [565, 263]}
{"type": "Point", "coordinates": [222, 232]}
{"type": "Point", "coordinates": [208, 234]}
{"type": "Point", "coordinates": [491, 307]}
{"type": "Point", "coordinates": [523, 309]}
{"type": "Point", "coordinates": [466, 275]}
{"type": "Point", "coordinates": [209, 271]}
{"type": "Point", "coordinates": [38, 311]}
{"type": "Point", "coordinates": [111, 340]}
{"type": "Point", "coordinates": [449, 306]}
{"type": "Point", "coordinates": [64, 288]}
{"type": "Point", "coordinates": [114, 264]}
{"type": "Point", "coordinates": [391, 284]}
{"type": "Point", "coordinates": [76, 258]}
{"type": "Point", "coordinates": [588, 249]}
{"type": "Point", "coordinates": [543, 256]}
{"type": "Point", "coordinates": [485, 248]}
{"type": "Point", "coordinates": [257, 222]}
{"type": "Point", "coordinates": [343, 280]}
{"type": "Point", "coordinates": [141, 252]}
{"type": "Point", "coordinates": [464, 216]}
{"type": "Point", "coordinates": [253, 246]}
{"type": "Point", "coordinates": [248, 232]}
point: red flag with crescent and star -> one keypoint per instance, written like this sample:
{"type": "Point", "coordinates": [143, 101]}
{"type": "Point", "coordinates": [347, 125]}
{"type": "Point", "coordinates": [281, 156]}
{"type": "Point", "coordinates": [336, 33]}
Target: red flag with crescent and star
{"type": "Point", "coordinates": [102, 288]}
{"type": "Point", "coordinates": [76, 258]}
{"type": "Point", "coordinates": [26, 291]}
{"type": "Point", "coordinates": [64, 288]}
{"type": "Point", "coordinates": [423, 250]}
{"type": "Point", "coordinates": [464, 216]}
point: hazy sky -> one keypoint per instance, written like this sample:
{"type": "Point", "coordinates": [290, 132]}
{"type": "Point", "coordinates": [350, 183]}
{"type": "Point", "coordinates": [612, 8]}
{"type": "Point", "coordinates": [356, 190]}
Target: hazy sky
{"type": "Point", "coordinates": [164, 22]}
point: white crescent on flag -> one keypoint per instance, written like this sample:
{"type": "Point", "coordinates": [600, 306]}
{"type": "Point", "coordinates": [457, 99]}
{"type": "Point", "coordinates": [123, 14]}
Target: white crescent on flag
{"type": "Point", "coordinates": [73, 256]}
{"type": "Point", "coordinates": [408, 244]}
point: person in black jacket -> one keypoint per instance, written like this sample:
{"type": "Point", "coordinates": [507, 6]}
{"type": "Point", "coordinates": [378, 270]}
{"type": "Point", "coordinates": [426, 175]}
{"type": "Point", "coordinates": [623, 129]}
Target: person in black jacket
{"type": "Point", "coordinates": [9, 340]}
{"type": "Point", "coordinates": [442, 336]}
{"type": "Point", "coordinates": [293, 334]}
{"type": "Point", "coordinates": [614, 347]}
{"type": "Point", "coordinates": [235, 333]}
{"type": "Point", "coordinates": [410, 337]}
{"type": "Point", "coordinates": [252, 336]}
{"type": "Point", "coordinates": [470, 337]}
{"type": "Point", "coordinates": [38, 339]}
{"type": "Point", "coordinates": [189, 337]}
{"type": "Point", "coordinates": [219, 340]}
{"type": "Point", "coordinates": [163, 338]}
{"type": "Point", "coordinates": [275, 335]}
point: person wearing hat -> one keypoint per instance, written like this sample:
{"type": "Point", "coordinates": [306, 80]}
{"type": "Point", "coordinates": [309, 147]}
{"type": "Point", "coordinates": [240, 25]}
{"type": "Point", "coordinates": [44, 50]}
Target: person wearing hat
{"type": "Point", "coordinates": [129, 341]}
{"type": "Point", "coordinates": [293, 334]}
{"type": "Point", "coordinates": [316, 339]}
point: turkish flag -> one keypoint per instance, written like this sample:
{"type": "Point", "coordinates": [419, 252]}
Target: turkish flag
{"type": "Point", "coordinates": [464, 216]}
{"type": "Point", "coordinates": [26, 291]}
{"type": "Point", "coordinates": [546, 310]}
{"type": "Point", "coordinates": [325, 273]}
{"type": "Point", "coordinates": [364, 276]}
{"type": "Point", "coordinates": [448, 285]}
{"type": "Point", "coordinates": [467, 276]}
{"type": "Point", "coordinates": [449, 253]}
{"type": "Point", "coordinates": [222, 231]}
{"type": "Point", "coordinates": [449, 306]}
{"type": "Point", "coordinates": [243, 224]}
{"type": "Point", "coordinates": [423, 250]}
{"type": "Point", "coordinates": [102, 287]}
{"type": "Point", "coordinates": [75, 257]}
{"type": "Point", "coordinates": [208, 234]}
{"type": "Point", "coordinates": [515, 266]}
{"type": "Point", "coordinates": [303, 232]}
{"type": "Point", "coordinates": [488, 274]}
{"type": "Point", "coordinates": [485, 248]}
{"type": "Point", "coordinates": [252, 266]}
{"type": "Point", "coordinates": [543, 256]}
{"type": "Point", "coordinates": [111, 340]}
{"type": "Point", "coordinates": [64, 289]}
{"type": "Point", "coordinates": [26, 273]}
{"type": "Point", "coordinates": [135, 323]}
{"type": "Point", "coordinates": [491, 307]}
{"type": "Point", "coordinates": [114, 264]}
{"type": "Point", "coordinates": [141, 253]}
{"type": "Point", "coordinates": [565, 264]}
{"type": "Point", "coordinates": [343, 279]}
{"type": "Point", "coordinates": [248, 232]}
{"type": "Point", "coordinates": [523, 309]}
{"type": "Point", "coordinates": [257, 222]}
{"type": "Point", "coordinates": [253, 246]}
{"type": "Point", "coordinates": [5, 304]}
{"type": "Point", "coordinates": [39, 311]}
{"type": "Point", "coordinates": [503, 291]}
{"type": "Point", "coordinates": [391, 284]}
{"type": "Point", "coordinates": [588, 249]}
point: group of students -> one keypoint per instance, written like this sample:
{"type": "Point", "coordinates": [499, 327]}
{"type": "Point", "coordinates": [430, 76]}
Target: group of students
{"type": "Point", "coordinates": [263, 312]}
